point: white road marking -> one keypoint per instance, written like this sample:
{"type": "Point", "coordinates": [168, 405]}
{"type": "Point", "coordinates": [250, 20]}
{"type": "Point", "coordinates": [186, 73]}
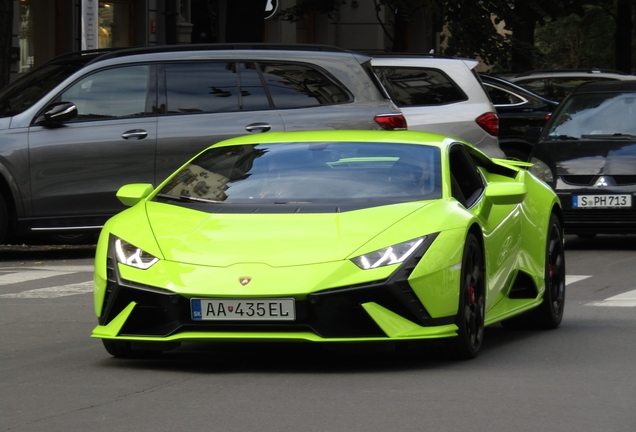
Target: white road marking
{"type": "Point", "coordinates": [52, 292]}
{"type": "Point", "coordinates": [15, 275]}
{"type": "Point", "coordinates": [570, 279]}
{"type": "Point", "coordinates": [627, 299]}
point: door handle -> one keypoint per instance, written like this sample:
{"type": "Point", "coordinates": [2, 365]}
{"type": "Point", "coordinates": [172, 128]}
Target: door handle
{"type": "Point", "coordinates": [258, 127]}
{"type": "Point", "coordinates": [135, 133]}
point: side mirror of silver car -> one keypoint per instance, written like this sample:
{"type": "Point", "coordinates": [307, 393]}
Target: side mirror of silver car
{"type": "Point", "coordinates": [57, 113]}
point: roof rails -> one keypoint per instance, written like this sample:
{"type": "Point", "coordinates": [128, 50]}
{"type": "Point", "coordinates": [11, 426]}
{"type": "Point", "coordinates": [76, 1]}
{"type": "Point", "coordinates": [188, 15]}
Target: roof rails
{"type": "Point", "coordinates": [114, 53]}
{"type": "Point", "coordinates": [589, 71]}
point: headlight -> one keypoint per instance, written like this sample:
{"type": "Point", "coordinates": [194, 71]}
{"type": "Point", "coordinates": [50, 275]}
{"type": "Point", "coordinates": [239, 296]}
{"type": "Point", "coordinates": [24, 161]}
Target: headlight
{"type": "Point", "coordinates": [541, 170]}
{"type": "Point", "coordinates": [133, 256]}
{"type": "Point", "coordinates": [387, 256]}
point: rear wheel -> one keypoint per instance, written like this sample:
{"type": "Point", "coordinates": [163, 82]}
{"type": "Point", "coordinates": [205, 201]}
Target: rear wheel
{"type": "Point", "coordinates": [550, 313]}
{"type": "Point", "coordinates": [470, 316]}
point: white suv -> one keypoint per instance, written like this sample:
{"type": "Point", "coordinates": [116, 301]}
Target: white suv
{"type": "Point", "coordinates": [443, 95]}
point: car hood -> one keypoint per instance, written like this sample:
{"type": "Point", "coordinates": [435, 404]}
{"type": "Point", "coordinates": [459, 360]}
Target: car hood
{"type": "Point", "coordinates": [195, 237]}
{"type": "Point", "coordinates": [593, 157]}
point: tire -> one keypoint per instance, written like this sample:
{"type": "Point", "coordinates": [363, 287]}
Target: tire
{"type": "Point", "coordinates": [470, 315]}
{"type": "Point", "coordinates": [4, 220]}
{"type": "Point", "coordinates": [549, 314]}
{"type": "Point", "coordinates": [516, 154]}
{"type": "Point", "coordinates": [125, 350]}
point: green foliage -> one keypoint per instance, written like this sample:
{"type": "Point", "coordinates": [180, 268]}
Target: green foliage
{"type": "Point", "coordinates": [577, 41]}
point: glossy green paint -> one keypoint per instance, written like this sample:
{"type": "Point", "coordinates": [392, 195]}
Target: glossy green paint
{"type": "Point", "coordinates": [131, 194]}
{"type": "Point", "coordinates": [298, 254]}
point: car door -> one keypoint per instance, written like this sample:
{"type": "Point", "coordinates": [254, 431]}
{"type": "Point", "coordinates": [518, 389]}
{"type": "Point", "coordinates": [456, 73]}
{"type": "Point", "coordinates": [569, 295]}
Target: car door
{"type": "Point", "coordinates": [205, 102]}
{"type": "Point", "coordinates": [501, 224]}
{"type": "Point", "coordinates": [76, 167]}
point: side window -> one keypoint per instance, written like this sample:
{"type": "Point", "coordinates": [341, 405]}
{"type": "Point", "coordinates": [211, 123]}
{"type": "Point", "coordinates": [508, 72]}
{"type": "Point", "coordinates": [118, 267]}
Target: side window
{"type": "Point", "coordinates": [296, 86]}
{"type": "Point", "coordinates": [253, 95]}
{"type": "Point", "coordinates": [419, 86]}
{"type": "Point", "coordinates": [201, 87]}
{"type": "Point", "coordinates": [467, 183]}
{"type": "Point", "coordinates": [501, 97]}
{"type": "Point", "coordinates": [110, 93]}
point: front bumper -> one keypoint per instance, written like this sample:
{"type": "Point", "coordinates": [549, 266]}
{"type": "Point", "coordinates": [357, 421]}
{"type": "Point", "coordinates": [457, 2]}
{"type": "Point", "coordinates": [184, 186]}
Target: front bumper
{"type": "Point", "coordinates": [382, 310]}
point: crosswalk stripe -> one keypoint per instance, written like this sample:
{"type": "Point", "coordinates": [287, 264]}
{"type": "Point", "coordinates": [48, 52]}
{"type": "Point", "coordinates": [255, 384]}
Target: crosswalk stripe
{"type": "Point", "coordinates": [570, 279]}
{"type": "Point", "coordinates": [22, 276]}
{"type": "Point", "coordinates": [52, 292]}
{"type": "Point", "coordinates": [627, 299]}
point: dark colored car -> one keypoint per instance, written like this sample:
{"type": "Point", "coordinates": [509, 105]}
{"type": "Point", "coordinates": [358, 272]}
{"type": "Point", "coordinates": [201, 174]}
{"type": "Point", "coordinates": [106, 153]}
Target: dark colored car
{"type": "Point", "coordinates": [556, 84]}
{"type": "Point", "coordinates": [77, 128]}
{"type": "Point", "coordinates": [518, 110]}
{"type": "Point", "coordinates": [587, 154]}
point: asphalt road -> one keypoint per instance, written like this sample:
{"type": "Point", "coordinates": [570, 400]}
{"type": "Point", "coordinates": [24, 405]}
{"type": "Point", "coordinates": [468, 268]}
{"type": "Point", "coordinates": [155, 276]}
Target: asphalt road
{"type": "Point", "coordinates": [580, 377]}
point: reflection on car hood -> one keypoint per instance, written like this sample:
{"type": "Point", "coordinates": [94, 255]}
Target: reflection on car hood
{"type": "Point", "coordinates": [201, 238]}
{"type": "Point", "coordinates": [593, 157]}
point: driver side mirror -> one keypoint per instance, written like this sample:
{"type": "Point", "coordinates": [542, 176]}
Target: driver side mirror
{"type": "Point", "coordinates": [133, 193]}
{"type": "Point", "coordinates": [57, 113]}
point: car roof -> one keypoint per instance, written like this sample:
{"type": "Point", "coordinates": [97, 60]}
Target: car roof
{"type": "Point", "coordinates": [606, 86]}
{"type": "Point", "coordinates": [566, 72]}
{"type": "Point", "coordinates": [510, 86]}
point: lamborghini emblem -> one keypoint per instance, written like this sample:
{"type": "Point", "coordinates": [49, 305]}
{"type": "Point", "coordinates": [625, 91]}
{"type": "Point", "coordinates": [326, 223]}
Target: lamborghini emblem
{"type": "Point", "coordinates": [244, 280]}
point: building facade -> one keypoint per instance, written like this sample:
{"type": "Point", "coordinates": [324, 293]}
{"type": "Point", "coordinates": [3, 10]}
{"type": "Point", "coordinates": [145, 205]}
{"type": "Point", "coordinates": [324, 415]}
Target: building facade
{"type": "Point", "coordinates": [44, 29]}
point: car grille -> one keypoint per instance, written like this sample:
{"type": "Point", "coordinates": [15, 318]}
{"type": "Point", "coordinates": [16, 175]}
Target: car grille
{"type": "Point", "coordinates": [601, 221]}
{"type": "Point", "coordinates": [588, 180]}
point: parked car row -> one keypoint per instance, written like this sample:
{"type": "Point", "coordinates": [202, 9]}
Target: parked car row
{"type": "Point", "coordinates": [83, 124]}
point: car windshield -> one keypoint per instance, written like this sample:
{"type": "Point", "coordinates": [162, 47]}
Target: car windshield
{"type": "Point", "coordinates": [596, 114]}
{"type": "Point", "coordinates": [316, 172]}
{"type": "Point", "coordinates": [29, 89]}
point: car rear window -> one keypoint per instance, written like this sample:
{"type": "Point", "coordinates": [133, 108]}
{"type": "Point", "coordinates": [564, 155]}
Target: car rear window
{"type": "Point", "coordinates": [410, 86]}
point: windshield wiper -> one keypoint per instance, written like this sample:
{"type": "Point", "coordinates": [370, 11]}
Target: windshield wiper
{"type": "Point", "coordinates": [563, 137]}
{"type": "Point", "coordinates": [188, 198]}
{"type": "Point", "coordinates": [617, 135]}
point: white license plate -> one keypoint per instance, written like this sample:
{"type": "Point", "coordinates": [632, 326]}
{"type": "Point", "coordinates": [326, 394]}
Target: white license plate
{"type": "Point", "coordinates": [243, 309]}
{"type": "Point", "coordinates": [601, 201]}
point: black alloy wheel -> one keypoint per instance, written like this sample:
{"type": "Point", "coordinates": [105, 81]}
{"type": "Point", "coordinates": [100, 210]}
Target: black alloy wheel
{"type": "Point", "coordinates": [550, 313]}
{"type": "Point", "coordinates": [470, 316]}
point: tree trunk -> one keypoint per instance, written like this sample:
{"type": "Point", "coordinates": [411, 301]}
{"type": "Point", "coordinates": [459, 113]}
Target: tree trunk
{"type": "Point", "coordinates": [6, 36]}
{"type": "Point", "coordinates": [623, 36]}
{"type": "Point", "coordinates": [523, 37]}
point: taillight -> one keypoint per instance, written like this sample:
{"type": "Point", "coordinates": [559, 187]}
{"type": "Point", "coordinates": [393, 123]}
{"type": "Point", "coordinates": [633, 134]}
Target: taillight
{"type": "Point", "coordinates": [391, 121]}
{"type": "Point", "coordinates": [489, 122]}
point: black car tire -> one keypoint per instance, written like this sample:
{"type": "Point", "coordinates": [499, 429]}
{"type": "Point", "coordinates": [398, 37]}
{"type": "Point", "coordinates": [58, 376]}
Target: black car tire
{"type": "Point", "coordinates": [515, 154]}
{"type": "Point", "coordinates": [4, 220]}
{"type": "Point", "coordinates": [548, 315]}
{"type": "Point", "coordinates": [470, 316]}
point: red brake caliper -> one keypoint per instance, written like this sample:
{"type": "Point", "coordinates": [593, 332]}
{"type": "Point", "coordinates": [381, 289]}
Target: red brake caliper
{"type": "Point", "coordinates": [471, 295]}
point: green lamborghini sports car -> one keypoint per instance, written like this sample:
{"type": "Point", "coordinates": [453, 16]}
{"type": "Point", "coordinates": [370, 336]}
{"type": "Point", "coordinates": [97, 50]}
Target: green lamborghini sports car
{"type": "Point", "coordinates": [331, 236]}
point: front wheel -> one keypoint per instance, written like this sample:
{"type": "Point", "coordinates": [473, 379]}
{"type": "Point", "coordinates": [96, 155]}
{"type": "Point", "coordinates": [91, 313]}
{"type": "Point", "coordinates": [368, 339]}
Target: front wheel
{"type": "Point", "coordinates": [470, 316]}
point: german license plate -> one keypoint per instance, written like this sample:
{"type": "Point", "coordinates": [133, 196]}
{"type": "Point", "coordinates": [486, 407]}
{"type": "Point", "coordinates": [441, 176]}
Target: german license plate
{"type": "Point", "coordinates": [243, 309]}
{"type": "Point", "coordinates": [601, 201]}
